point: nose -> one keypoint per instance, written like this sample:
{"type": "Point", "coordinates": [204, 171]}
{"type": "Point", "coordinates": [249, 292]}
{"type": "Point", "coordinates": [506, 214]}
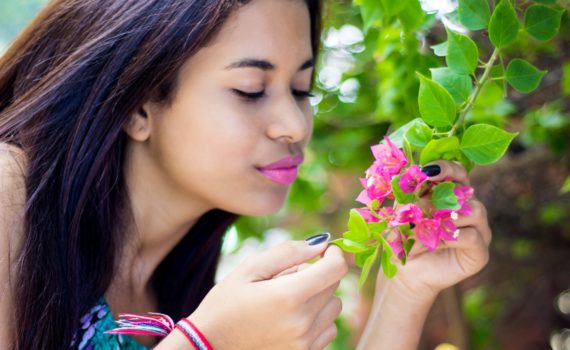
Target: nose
{"type": "Point", "coordinates": [290, 121]}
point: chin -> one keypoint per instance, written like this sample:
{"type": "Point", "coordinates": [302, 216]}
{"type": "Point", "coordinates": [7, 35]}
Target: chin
{"type": "Point", "coordinates": [261, 207]}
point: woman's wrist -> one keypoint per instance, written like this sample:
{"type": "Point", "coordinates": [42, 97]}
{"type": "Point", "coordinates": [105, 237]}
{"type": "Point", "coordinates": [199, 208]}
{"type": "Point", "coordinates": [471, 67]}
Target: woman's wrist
{"type": "Point", "coordinates": [409, 293]}
{"type": "Point", "coordinates": [208, 329]}
{"type": "Point", "coordinates": [397, 316]}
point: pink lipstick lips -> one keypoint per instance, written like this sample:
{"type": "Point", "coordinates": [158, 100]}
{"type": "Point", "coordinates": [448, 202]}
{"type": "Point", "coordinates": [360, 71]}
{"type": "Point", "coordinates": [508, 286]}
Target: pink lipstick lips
{"type": "Point", "coordinates": [283, 171]}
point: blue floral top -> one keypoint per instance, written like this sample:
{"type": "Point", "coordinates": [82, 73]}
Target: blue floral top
{"type": "Point", "coordinates": [91, 334]}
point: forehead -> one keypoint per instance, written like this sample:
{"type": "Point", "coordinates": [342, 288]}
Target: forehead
{"type": "Point", "coordinates": [275, 30]}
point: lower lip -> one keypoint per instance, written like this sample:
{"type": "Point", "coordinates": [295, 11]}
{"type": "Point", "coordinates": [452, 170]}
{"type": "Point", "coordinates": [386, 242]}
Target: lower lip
{"type": "Point", "coordinates": [285, 176]}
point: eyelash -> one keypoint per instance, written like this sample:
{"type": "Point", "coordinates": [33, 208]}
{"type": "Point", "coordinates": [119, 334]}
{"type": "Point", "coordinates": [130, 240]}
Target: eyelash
{"type": "Point", "coordinates": [257, 95]}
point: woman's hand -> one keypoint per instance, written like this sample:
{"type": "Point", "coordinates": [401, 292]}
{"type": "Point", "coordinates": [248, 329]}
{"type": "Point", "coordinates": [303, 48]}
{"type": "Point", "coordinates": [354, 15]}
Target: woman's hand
{"type": "Point", "coordinates": [402, 303]}
{"type": "Point", "coordinates": [267, 303]}
{"type": "Point", "coordinates": [427, 273]}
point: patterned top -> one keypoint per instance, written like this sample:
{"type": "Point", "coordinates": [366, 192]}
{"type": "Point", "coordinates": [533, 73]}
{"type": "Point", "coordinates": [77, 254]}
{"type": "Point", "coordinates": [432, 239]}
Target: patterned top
{"type": "Point", "coordinates": [91, 334]}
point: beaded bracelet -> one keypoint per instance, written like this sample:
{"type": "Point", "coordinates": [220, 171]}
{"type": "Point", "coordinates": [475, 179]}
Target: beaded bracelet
{"type": "Point", "coordinates": [159, 325]}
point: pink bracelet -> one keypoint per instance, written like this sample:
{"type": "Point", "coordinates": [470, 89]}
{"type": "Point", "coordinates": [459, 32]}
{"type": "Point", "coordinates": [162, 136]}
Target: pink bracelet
{"type": "Point", "coordinates": [160, 325]}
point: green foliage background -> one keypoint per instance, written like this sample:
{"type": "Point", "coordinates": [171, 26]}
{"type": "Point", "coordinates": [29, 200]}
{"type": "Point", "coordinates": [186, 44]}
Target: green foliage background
{"type": "Point", "coordinates": [367, 86]}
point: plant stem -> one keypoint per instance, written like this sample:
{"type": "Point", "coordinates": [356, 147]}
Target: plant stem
{"type": "Point", "coordinates": [473, 97]}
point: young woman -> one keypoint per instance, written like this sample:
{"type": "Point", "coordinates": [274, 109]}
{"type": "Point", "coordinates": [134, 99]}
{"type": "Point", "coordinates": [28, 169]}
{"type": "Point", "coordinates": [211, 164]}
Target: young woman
{"type": "Point", "coordinates": [132, 135]}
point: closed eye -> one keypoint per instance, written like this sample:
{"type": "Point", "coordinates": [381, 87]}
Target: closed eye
{"type": "Point", "coordinates": [253, 96]}
{"type": "Point", "coordinates": [249, 95]}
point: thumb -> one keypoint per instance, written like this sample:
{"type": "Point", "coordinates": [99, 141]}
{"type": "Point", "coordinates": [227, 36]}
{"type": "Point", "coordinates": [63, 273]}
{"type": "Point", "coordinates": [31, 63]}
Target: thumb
{"type": "Point", "coordinates": [275, 260]}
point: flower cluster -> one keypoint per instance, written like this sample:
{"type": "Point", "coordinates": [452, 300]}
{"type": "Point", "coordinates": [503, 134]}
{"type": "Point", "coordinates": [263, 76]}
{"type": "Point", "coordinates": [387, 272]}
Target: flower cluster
{"type": "Point", "coordinates": [416, 219]}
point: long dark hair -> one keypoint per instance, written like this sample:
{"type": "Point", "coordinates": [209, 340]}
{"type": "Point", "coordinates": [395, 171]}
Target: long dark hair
{"type": "Point", "coordinates": [68, 84]}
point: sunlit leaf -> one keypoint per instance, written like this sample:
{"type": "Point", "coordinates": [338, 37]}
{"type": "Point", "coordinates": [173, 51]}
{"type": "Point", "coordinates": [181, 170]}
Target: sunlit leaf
{"type": "Point", "coordinates": [474, 14]}
{"type": "Point", "coordinates": [504, 25]}
{"type": "Point", "coordinates": [437, 107]}
{"type": "Point", "coordinates": [485, 144]}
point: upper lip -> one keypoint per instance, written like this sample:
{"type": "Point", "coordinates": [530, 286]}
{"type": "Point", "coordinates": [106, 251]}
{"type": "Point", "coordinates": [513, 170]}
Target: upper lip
{"type": "Point", "coordinates": [285, 163]}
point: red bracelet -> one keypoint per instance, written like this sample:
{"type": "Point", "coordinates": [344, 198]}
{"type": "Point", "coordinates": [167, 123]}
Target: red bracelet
{"type": "Point", "coordinates": [193, 334]}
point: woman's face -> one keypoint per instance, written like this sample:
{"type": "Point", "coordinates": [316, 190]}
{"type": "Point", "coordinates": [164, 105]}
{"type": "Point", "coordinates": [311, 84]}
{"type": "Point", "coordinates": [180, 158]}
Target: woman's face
{"type": "Point", "coordinates": [240, 105]}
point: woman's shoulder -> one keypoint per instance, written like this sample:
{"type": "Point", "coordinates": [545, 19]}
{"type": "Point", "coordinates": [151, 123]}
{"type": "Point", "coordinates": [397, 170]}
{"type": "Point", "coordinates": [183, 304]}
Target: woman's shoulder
{"type": "Point", "coordinates": [13, 164]}
{"type": "Point", "coordinates": [13, 161]}
{"type": "Point", "coordinates": [12, 201]}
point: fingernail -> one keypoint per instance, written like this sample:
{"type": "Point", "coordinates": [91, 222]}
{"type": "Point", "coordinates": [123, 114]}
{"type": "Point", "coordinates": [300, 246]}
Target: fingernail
{"type": "Point", "coordinates": [431, 170]}
{"type": "Point", "coordinates": [318, 239]}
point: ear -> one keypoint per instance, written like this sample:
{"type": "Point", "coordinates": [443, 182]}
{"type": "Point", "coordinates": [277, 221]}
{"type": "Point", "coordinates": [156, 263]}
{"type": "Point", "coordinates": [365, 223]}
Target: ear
{"type": "Point", "coordinates": [139, 126]}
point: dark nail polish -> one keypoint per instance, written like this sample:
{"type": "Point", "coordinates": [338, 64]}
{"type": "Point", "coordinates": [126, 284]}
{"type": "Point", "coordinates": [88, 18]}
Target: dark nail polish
{"type": "Point", "coordinates": [431, 170]}
{"type": "Point", "coordinates": [317, 239]}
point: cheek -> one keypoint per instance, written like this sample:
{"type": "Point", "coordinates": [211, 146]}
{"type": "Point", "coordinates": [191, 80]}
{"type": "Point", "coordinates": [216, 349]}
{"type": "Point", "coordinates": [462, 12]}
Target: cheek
{"type": "Point", "coordinates": [209, 141]}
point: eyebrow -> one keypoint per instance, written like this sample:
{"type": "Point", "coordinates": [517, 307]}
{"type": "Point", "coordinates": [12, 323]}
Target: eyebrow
{"type": "Point", "coordinates": [265, 65]}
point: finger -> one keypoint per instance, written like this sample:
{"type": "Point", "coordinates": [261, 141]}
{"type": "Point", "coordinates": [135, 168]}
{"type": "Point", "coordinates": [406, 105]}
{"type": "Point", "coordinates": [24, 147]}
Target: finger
{"type": "Point", "coordinates": [265, 265]}
{"type": "Point", "coordinates": [470, 240]}
{"type": "Point", "coordinates": [443, 170]}
{"type": "Point", "coordinates": [316, 277]}
{"type": "Point", "coordinates": [316, 303]}
{"type": "Point", "coordinates": [478, 219]}
{"type": "Point", "coordinates": [325, 318]}
{"type": "Point", "coordinates": [325, 338]}
{"type": "Point", "coordinates": [417, 249]}
{"type": "Point", "coordinates": [292, 270]}
{"type": "Point", "coordinates": [472, 252]}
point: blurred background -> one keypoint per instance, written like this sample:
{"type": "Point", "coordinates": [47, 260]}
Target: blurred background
{"type": "Point", "coordinates": [366, 86]}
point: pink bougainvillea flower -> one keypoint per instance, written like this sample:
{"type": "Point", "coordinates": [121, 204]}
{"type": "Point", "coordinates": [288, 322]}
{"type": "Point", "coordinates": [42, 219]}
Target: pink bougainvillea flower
{"type": "Point", "coordinates": [406, 214]}
{"type": "Point", "coordinates": [386, 212]}
{"type": "Point", "coordinates": [449, 231]}
{"type": "Point", "coordinates": [428, 232]}
{"type": "Point", "coordinates": [367, 215]}
{"type": "Point", "coordinates": [378, 186]}
{"type": "Point", "coordinates": [389, 157]}
{"type": "Point", "coordinates": [464, 194]}
{"type": "Point", "coordinates": [412, 179]}
{"type": "Point", "coordinates": [397, 247]}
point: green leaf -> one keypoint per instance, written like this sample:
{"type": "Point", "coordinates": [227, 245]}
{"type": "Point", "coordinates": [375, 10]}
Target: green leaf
{"type": "Point", "coordinates": [546, 2]}
{"type": "Point", "coordinates": [445, 148]}
{"type": "Point", "coordinates": [360, 258]}
{"type": "Point", "coordinates": [437, 107]}
{"type": "Point", "coordinates": [466, 162]}
{"type": "Point", "coordinates": [444, 198]}
{"type": "Point", "coordinates": [371, 12]}
{"type": "Point", "coordinates": [523, 76]}
{"type": "Point", "coordinates": [485, 144]}
{"type": "Point", "coordinates": [350, 246]}
{"type": "Point", "coordinates": [392, 8]}
{"type": "Point", "coordinates": [474, 14]}
{"type": "Point", "coordinates": [401, 196]}
{"type": "Point", "coordinates": [408, 245]}
{"type": "Point", "coordinates": [387, 266]}
{"type": "Point", "coordinates": [440, 49]}
{"type": "Point", "coordinates": [462, 54]}
{"type": "Point", "coordinates": [367, 266]}
{"type": "Point", "coordinates": [542, 22]}
{"type": "Point", "coordinates": [376, 228]}
{"type": "Point", "coordinates": [458, 85]}
{"type": "Point", "coordinates": [419, 133]}
{"type": "Point", "coordinates": [566, 186]}
{"type": "Point", "coordinates": [412, 16]}
{"type": "Point", "coordinates": [504, 25]}
{"type": "Point", "coordinates": [397, 136]}
{"type": "Point", "coordinates": [358, 230]}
